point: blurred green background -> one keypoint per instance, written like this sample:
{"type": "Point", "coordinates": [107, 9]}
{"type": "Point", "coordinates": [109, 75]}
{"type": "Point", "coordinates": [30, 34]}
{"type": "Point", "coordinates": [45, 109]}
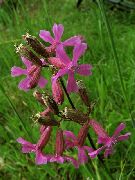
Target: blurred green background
{"type": "Point", "coordinates": [104, 87]}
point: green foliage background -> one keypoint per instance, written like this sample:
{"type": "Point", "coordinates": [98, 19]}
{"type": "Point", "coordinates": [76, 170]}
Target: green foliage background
{"type": "Point", "coordinates": [104, 86]}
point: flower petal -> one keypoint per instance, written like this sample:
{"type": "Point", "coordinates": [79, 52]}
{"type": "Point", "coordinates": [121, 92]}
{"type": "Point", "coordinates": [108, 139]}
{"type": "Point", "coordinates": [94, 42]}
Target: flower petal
{"type": "Point", "coordinates": [40, 158]}
{"type": "Point", "coordinates": [99, 130]}
{"type": "Point", "coordinates": [123, 137]}
{"type": "Point", "coordinates": [82, 157]}
{"type": "Point", "coordinates": [27, 147]}
{"type": "Point", "coordinates": [102, 140]}
{"type": "Point", "coordinates": [69, 144]}
{"type": "Point", "coordinates": [42, 82]}
{"type": "Point", "coordinates": [27, 63]}
{"type": "Point", "coordinates": [60, 73]}
{"type": "Point", "coordinates": [73, 41]}
{"type": "Point", "coordinates": [119, 129]}
{"type": "Point", "coordinates": [96, 152]}
{"type": "Point", "coordinates": [84, 69]}
{"type": "Point", "coordinates": [71, 83]}
{"type": "Point", "coordinates": [24, 84]}
{"type": "Point", "coordinates": [108, 152]}
{"type": "Point", "coordinates": [60, 53]}
{"type": "Point", "coordinates": [58, 31]}
{"type": "Point", "coordinates": [70, 135]}
{"type": "Point", "coordinates": [45, 35]}
{"type": "Point", "coordinates": [58, 159]}
{"type": "Point", "coordinates": [78, 51]}
{"type": "Point", "coordinates": [88, 149]}
{"type": "Point", "coordinates": [17, 71]}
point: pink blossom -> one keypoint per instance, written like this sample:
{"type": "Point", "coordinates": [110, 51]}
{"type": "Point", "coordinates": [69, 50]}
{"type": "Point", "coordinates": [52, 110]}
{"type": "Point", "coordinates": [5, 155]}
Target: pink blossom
{"type": "Point", "coordinates": [71, 67]}
{"type": "Point", "coordinates": [73, 141]}
{"type": "Point", "coordinates": [59, 157]}
{"type": "Point", "coordinates": [33, 73]}
{"type": "Point", "coordinates": [107, 141]}
{"type": "Point", "coordinates": [28, 147]}
{"type": "Point", "coordinates": [58, 32]}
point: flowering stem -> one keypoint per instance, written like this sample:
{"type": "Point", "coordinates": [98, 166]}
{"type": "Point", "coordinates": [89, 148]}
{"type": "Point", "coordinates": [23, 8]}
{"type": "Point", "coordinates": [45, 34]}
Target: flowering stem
{"type": "Point", "coordinates": [69, 99]}
{"type": "Point", "coordinates": [72, 105]}
{"type": "Point", "coordinates": [89, 137]}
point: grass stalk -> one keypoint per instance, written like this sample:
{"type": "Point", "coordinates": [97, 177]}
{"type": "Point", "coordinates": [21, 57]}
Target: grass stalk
{"type": "Point", "coordinates": [14, 109]}
{"type": "Point", "coordinates": [105, 19]}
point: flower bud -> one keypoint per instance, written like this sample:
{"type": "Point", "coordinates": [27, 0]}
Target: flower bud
{"type": "Point", "coordinates": [56, 62]}
{"type": "Point", "coordinates": [42, 128]}
{"type": "Point", "coordinates": [59, 147]}
{"type": "Point", "coordinates": [36, 45]}
{"type": "Point", "coordinates": [35, 76]}
{"type": "Point", "coordinates": [25, 52]}
{"type": "Point", "coordinates": [57, 92]}
{"type": "Point", "coordinates": [75, 115]}
{"type": "Point", "coordinates": [82, 135]}
{"type": "Point", "coordinates": [44, 138]}
{"type": "Point", "coordinates": [83, 93]}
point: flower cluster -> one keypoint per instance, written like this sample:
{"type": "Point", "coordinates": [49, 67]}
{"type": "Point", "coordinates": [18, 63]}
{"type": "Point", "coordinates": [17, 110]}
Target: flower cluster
{"type": "Point", "coordinates": [36, 56]}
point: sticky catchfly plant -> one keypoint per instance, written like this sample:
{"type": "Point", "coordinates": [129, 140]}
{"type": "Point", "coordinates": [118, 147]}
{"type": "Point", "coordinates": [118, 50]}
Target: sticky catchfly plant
{"type": "Point", "coordinates": [36, 56]}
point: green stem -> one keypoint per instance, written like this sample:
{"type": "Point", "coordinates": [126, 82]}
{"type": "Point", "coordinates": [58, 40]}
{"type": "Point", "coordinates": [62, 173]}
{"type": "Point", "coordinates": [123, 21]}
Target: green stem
{"type": "Point", "coordinates": [105, 19]}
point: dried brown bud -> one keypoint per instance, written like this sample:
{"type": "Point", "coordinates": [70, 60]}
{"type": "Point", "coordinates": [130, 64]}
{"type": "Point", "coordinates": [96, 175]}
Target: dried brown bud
{"type": "Point", "coordinates": [59, 147]}
{"type": "Point", "coordinates": [83, 93]}
{"type": "Point", "coordinates": [25, 52]}
{"type": "Point", "coordinates": [75, 115]}
{"type": "Point", "coordinates": [50, 103]}
{"type": "Point", "coordinates": [83, 134]}
{"type": "Point", "coordinates": [45, 120]}
{"type": "Point", "coordinates": [38, 97]}
{"type": "Point", "coordinates": [36, 45]}
{"type": "Point", "coordinates": [57, 92]}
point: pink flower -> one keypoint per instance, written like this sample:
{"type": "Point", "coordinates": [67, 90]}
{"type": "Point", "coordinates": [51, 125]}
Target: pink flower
{"type": "Point", "coordinates": [58, 31]}
{"type": "Point", "coordinates": [108, 141]}
{"type": "Point", "coordinates": [28, 147]}
{"type": "Point", "coordinates": [59, 157]}
{"type": "Point", "coordinates": [33, 73]}
{"type": "Point", "coordinates": [73, 141]}
{"type": "Point", "coordinates": [71, 67]}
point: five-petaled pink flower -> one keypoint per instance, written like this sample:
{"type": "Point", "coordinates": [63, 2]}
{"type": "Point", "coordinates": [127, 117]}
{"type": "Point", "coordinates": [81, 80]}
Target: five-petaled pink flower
{"type": "Point", "coordinates": [28, 147]}
{"type": "Point", "coordinates": [33, 73]}
{"type": "Point", "coordinates": [71, 67]}
{"type": "Point", "coordinates": [73, 141]}
{"type": "Point", "coordinates": [58, 31]}
{"type": "Point", "coordinates": [107, 141]}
